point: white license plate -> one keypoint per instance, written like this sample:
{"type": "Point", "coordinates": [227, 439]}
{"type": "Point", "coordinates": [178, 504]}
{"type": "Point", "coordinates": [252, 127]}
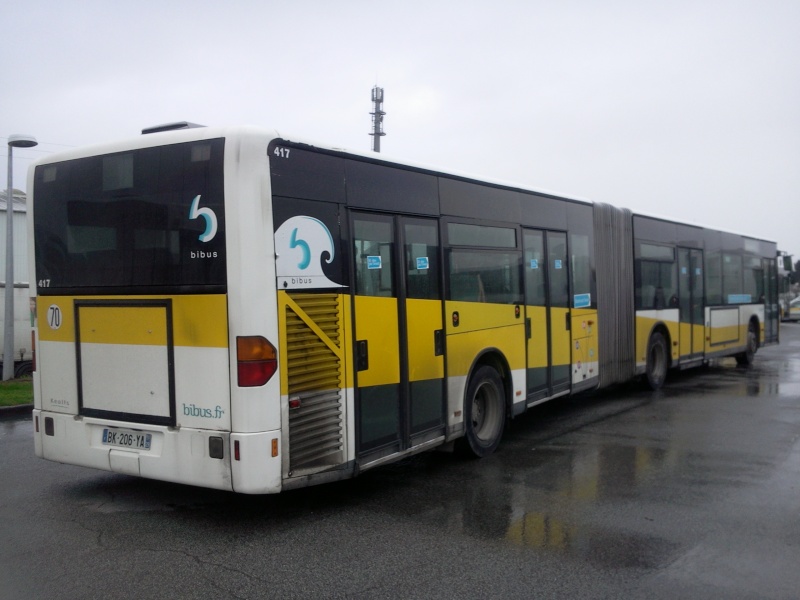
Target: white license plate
{"type": "Point", "coordinates": [127, 438]}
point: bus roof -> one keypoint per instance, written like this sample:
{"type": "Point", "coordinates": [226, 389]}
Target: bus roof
{"type": "Point", "coordinates": [155, 136]}
{"type": "Point", "coordinates": [675, 221]}
{"type": "Point", "coordinates": [174, 136]}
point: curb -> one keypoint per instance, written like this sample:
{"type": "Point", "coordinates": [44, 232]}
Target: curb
{"type": "Point", "coordinates": [19, 409]}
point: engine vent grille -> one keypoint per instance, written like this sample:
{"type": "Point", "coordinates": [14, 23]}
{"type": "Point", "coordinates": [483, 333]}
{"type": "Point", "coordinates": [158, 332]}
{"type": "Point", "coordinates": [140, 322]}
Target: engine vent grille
{"type": "Point", "coordinates": [314, 369]}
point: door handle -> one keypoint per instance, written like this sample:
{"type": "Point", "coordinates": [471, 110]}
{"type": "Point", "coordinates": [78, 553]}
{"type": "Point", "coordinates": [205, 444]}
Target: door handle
{"type": "Point", "coordinates": [438, 342]}
{"type": "Point", "coordinates": [362, 355]}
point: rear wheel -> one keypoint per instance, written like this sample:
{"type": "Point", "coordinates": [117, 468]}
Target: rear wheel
{"type": "Point", "coordinates": [747, 357]}
{"type": "Point", "coordinates": [484, 413]}
{"type": "Point", "coordinates": [24, 369]}
{"type": "Point", "coordinates": [657, 361]}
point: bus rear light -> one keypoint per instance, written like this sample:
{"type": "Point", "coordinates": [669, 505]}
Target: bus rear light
{"type": "Point", "coordinates": [294, 402]}
{"type": "Point", "coordinates": [274, 447]}
{"type": "Point", "coordinates": [236, 455]}
{"type": "Point", "coordinates": [256, 359]}
{"type": "Point", "coordinates": [36, 423]}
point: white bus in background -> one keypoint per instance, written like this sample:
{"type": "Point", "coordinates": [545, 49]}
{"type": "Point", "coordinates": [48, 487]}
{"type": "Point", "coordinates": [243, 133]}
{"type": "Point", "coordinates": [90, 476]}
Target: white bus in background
{"type": "Point", "coordinates": [787, 291]}
{"type": "Point", "coordinates": [792, 311]}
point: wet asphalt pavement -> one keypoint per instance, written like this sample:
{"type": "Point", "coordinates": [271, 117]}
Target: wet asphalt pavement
{"type": "Point", "coordinates": [691, 492]}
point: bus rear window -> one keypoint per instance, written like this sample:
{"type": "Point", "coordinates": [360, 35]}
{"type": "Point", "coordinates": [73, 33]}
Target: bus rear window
{"type": "Point", "coordinates": [146, 218]}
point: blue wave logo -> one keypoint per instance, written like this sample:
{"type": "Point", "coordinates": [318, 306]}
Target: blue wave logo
{"type": "Point", "coordinates": [195, 212]}
{"type": "Point", "coordinates": [302, 243]}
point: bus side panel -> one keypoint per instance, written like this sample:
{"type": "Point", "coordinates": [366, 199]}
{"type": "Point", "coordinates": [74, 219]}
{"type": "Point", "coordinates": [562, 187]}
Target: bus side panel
{"type": "Point", "coordinates": [471, 328]}
{"type": "Point", "coordinates": [585, 359]}
{"type": "Point", "coordinates": [724, 328]}
{"type": "Point", "coordinates": [727, 333]}
{"type": "Point", "coordinates": [646, 320]}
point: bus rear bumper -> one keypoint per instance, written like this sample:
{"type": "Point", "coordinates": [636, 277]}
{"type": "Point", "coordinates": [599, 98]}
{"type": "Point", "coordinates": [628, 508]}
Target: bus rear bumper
{"type": "Point", "coordinates": [256, 462]}
{"type": "Point", "coordinates": [188, 456]}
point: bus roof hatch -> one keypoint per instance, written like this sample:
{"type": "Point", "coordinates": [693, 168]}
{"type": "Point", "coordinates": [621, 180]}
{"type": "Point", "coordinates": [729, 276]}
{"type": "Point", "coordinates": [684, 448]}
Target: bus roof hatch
{"type": "Point", "coordinates": [170, 127]}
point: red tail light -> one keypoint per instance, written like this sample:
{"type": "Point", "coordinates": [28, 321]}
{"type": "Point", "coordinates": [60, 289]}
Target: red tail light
{"type": "Point", "coordinates": [257, 360]}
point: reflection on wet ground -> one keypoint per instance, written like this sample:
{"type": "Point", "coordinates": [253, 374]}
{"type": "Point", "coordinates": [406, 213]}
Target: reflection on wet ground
{"type": "Point", "coordinates": [624, 479]}
{"type": "Point", "coordinates": [611, 478]}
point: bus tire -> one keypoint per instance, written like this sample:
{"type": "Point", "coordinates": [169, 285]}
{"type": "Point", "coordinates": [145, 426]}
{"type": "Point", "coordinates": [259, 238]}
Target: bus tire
{"type": "Point", "coordinates": [484, 413]}
{"type": "Point", "coordinates": [657, 361]}
{"type": "Point", "coordinates": [23, 369]}
{"type": "Point", "coordinates": [746, 358]}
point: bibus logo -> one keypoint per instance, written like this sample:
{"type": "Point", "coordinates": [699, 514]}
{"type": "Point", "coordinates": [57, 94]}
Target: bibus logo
{"type": "Point", "coordinates": [190, 410]}
{"type": "Point", "coordinates": [302, 243]}
{"type": "Point", "coordinates": [195, 212]}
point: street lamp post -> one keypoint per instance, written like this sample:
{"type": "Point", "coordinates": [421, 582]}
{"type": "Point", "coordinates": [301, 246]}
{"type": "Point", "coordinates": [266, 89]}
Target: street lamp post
{"type": "Point", "coordinates": [14, 141]}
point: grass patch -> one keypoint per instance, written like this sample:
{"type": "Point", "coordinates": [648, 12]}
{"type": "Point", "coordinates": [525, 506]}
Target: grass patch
{"type": "Point", "coordinates": [16, 391]}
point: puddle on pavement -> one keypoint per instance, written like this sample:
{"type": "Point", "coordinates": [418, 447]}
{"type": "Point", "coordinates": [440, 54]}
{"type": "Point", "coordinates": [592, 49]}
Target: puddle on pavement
{"type": "Point", "coordinates": [556, 497]}
{"type": "Point", "coordinates": [607, 549]}
{"type": "Point", "coordinates": [545, 504]}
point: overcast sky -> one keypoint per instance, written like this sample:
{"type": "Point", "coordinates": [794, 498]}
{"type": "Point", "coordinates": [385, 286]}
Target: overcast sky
{"type": "Point", "coordinates": [688, 109]}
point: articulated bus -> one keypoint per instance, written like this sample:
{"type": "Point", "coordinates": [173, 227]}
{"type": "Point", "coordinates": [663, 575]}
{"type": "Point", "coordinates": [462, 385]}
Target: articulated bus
{"type": "Point", "coordinates": [241, 310]}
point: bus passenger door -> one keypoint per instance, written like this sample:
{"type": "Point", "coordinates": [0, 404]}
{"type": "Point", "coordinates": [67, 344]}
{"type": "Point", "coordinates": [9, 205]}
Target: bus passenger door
{"type": "Point", "coordinates": [771, 309]}
{"type": "Point", "coordinates": [377, 341]}
{"type": "Point", "coordinates": [547, 313]}
{"type": "Point", "coordinates": [424, 329]}
{"type": "Point", "coordinates": [690, 302]}
{"type": "Point", "coordinates": [560, 319]}
{"type": "Point", "coordinates": [398, 346]}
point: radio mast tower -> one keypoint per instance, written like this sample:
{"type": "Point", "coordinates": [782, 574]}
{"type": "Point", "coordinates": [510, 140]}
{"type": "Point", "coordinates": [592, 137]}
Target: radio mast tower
{"type": "Point", "coordinates": [377, 118]}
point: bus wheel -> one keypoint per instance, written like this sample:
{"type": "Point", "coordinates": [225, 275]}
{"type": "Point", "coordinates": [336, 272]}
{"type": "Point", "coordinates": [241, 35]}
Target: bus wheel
{"type": "Point", "coordinates": [747, 357]}
{"type": "Point", "coordinates": [484, 413]}
{"type": "Point", "coordinates": [24, 369]}
{"type": "Point", "coordinates": [657, 361]}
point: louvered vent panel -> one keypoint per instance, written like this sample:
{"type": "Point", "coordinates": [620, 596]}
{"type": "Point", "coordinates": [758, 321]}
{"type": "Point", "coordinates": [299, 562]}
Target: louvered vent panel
{"type": "Point", "coordinates": [315, 428]}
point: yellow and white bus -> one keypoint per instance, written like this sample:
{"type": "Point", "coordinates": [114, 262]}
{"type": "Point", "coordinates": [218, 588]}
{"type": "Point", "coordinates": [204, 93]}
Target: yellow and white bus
{"type": "Point", "coordinates": [241, 310]}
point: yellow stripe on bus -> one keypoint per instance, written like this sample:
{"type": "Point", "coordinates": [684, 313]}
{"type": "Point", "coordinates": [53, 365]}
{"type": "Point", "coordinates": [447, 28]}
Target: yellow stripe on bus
{"type": "Point", "coordinates": [199, 321]}
{"type": "Point", "coordinates": [140, 325]}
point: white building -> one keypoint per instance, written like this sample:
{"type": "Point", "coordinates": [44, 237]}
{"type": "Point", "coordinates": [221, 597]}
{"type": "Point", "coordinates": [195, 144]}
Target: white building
{"type": "Point", "coordinates": [22, 313]}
